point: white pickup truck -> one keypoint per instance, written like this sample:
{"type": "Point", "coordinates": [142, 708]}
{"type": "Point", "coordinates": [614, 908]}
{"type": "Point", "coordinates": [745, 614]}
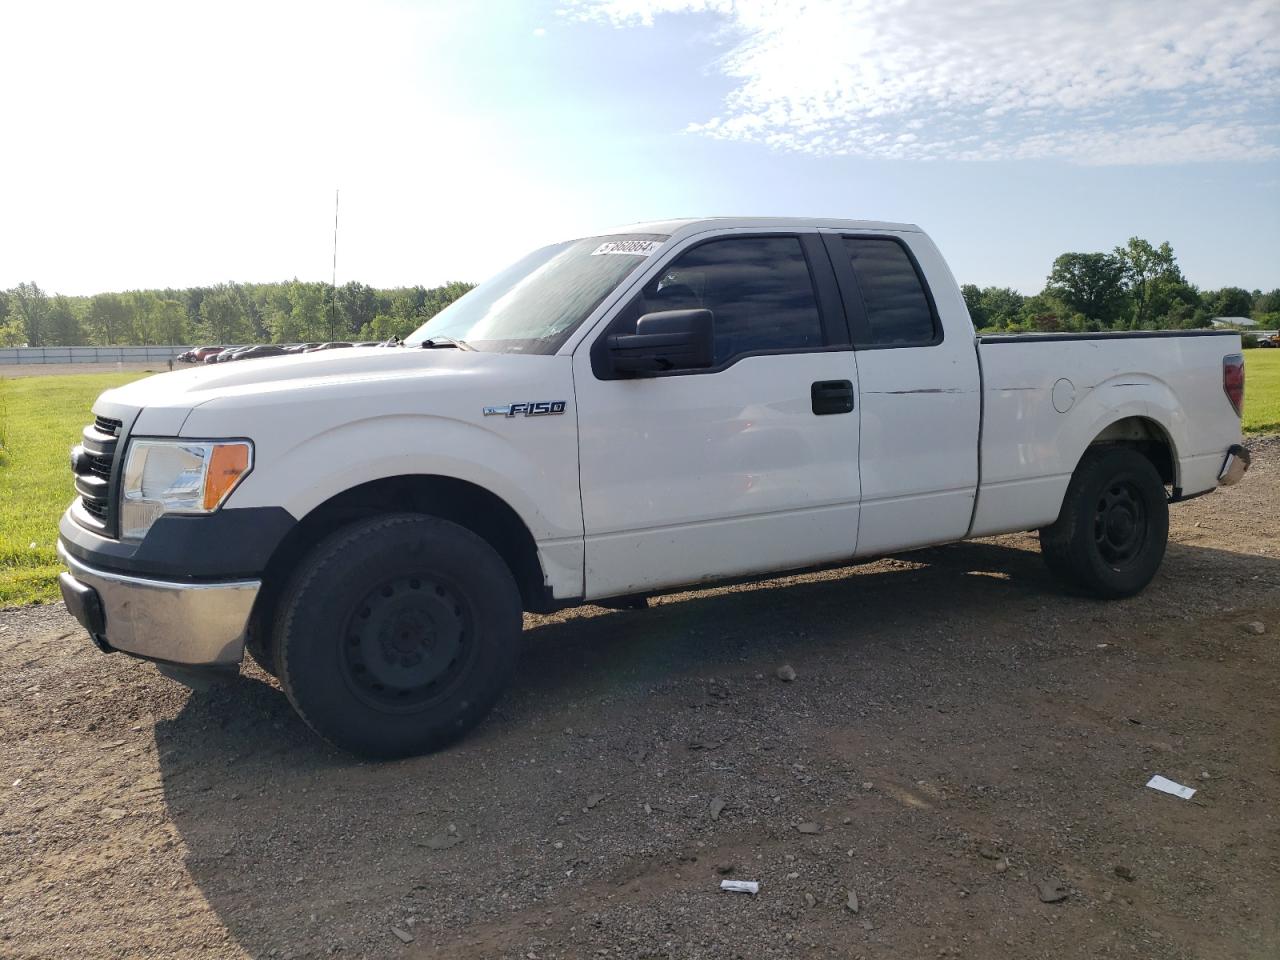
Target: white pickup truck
{"type": "Point", "coordinates": [662, 405]}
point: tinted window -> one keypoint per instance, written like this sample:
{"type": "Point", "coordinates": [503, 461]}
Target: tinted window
{"type": "Point", "coordinates": [758, 288]}
{"type": "Point", "coordinates": [897, 307]}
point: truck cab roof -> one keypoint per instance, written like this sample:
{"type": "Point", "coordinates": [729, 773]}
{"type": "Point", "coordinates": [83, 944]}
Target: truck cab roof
{"type": "Point", "coordinates": [685, 227]}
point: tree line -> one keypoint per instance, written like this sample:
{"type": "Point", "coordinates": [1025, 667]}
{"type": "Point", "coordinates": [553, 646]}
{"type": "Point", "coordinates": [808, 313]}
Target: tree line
{"type": "Point", "coordinates": [1138, 286]}
{"type": "Point", "coordinates": [293, 312]}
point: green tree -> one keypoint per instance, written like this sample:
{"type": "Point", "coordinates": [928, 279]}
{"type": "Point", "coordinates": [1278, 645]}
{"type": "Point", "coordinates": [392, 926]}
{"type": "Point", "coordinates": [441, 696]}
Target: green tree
{"type": "Point", "coordinates": [277, 314]}
{"type": "Point", "coordinates": [308, 314]}
{"type": "Point", "coordinates": [65, 328]}
{"type": "Point", "coordinates": [1268, 302]}
{"type": "Point", "coordinates": [972, 294]}
{"type": "Point", "coordinates": [140, 320]}
{"type": "Point", "coordinates": [1229, 302]}
{"type": "Point", "coordinates": [170, 322]}
{"type": "Point", "coordinates": [1003, 305]}
{"type": "Point", "coordinates": [357, 305]}
{"type": "Point", "coordinates": [30, 305]}
{"type": "Point", "coordinates": [222, 316]}
{"type": "Point", "coordinates": [1045, 313]}
{"type": "Point", "coordinates": [1145, 268]}
{"type": "Point", "coordinates": [1091, 284]}
{"type": "Point", "coordinates": [107, 319]}
{"type": "Point", "coordinates": [1174, 303]}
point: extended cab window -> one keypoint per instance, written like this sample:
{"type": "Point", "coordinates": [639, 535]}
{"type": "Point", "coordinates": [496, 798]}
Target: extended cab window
{"type": "Point", "coordinates": [898, 310]}
{"type": "Point", "coordinates": [758, 288]}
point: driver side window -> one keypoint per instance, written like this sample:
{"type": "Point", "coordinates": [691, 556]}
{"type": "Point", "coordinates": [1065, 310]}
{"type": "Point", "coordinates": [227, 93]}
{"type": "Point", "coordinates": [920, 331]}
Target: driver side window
{"type": "Point", "coordinates": [759, 290]}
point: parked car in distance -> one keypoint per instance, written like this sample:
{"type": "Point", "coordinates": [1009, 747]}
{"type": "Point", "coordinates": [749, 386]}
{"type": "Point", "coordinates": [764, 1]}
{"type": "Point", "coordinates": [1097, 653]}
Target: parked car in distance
{"type": "Point", "coordinates": [335, 345]}
{"type": "Point", "coordinates": [659, 406]}
{"type": "Point", "coordinates": [260, 350]}
{"type": "Point", "coordinates": [220, 354]}
{"type": "Point", "coordinates": [1269, 340]}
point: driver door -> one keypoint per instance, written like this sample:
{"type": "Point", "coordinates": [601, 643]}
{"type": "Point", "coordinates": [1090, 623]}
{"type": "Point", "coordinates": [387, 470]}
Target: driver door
{"type": "Point", "coordinates": [747, 466]}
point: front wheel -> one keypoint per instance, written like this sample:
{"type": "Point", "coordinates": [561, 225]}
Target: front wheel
{"type": "Point", "coordinates": [397, 635]}
{"type": "Point", "coordinates": [1110, 537]}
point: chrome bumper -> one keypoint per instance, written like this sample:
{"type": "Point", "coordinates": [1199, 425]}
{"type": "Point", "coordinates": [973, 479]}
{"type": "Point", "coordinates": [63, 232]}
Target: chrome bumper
{"type": "Point", "coordinates": [1235, 465]}
{"type": "Point", "coordinates": [197, 624]}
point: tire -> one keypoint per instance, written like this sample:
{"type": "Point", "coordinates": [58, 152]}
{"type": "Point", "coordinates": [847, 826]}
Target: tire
{"type": "Point", "coordinates": [261, 652]}
{"type": "Point", "coordinates": [1111, 535]}
{"type": "Point", "coordinates": [397, 635]}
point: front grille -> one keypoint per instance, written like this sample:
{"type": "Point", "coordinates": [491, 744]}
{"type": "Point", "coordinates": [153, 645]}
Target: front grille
{"type": "Point", "coordinates": [106, 425]}
{"type": "Point", "coordinates": [92, 462]}
{"type": "Point", "coordinates": [95, 509]}
{"type": "Point", "coordinates": [100, 466]}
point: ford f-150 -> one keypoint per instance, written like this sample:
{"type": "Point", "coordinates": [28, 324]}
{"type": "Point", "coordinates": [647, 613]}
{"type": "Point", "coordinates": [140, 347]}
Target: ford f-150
{"type": "Point", "coordinates": [657, 406]}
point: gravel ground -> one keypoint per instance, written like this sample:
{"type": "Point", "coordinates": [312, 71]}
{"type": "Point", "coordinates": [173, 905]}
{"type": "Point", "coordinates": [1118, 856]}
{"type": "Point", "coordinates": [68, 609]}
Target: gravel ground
{"type": "Point", "coordinates": [959, 736]}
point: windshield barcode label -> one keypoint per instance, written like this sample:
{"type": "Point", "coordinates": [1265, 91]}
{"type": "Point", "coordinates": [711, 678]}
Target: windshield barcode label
{"type": "Point", "coordinates": [634, 248]}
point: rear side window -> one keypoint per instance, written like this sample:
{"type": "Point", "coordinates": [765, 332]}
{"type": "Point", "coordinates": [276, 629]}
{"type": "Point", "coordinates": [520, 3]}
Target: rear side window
{"type": "Point", "coordinates": [758, 288]}
{"type": "Point", "coordinates": [898, 310]}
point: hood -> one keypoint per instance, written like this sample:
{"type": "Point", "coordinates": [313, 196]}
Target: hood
{"type": "Point", "coordinates": [206, 381]}
{"type": "Point", "coordinates": [168, 398]}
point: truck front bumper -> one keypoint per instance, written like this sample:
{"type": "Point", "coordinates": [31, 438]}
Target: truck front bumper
{"type": "Point", "coordinates": [191, 624]}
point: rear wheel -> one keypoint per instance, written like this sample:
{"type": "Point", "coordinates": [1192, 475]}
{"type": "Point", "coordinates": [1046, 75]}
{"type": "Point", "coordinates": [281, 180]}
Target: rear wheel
{"type": "Point", "coordinates": [1110, 537]}
{"type": "Point", "coordinates": [397, 635]}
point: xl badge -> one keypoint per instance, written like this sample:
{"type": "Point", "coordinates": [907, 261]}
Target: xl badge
{"type": "Point", "coordinates": [534, 408]}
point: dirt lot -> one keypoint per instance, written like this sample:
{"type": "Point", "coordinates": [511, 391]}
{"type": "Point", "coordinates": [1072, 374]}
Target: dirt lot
{"type": "Point", "coordinates": [958, 731]}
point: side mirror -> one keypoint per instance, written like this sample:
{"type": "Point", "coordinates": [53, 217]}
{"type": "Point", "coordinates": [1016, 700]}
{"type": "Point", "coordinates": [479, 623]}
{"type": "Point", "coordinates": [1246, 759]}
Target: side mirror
{"type": "Point", "coordinates": [669, 340]}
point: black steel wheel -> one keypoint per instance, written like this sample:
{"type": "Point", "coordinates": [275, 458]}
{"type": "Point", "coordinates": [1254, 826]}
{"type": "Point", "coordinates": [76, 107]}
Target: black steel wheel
{"type": "Point", "coordinates": [397, 635]}
{"type": "Point", "coordinates": [407, 641]}
{"type": "Point", "coordinates": [1110, 536]}
{"type": "Point", "coordinates": [1120, 523]}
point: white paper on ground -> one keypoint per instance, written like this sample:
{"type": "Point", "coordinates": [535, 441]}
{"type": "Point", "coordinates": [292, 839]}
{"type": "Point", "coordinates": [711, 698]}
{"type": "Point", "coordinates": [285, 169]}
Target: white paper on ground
{"type": "Point", "coordinates": [1168, 786]}
{"type": "Point", "coordinates": [740, 886]}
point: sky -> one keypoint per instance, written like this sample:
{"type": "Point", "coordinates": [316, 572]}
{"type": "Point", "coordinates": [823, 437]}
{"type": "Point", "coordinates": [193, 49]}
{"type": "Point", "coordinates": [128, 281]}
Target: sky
{"type": "Point", "coordinates": [149, 145]}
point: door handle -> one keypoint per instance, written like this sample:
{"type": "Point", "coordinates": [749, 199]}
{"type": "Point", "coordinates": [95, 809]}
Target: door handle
{"type": "Point", "coordinates": [831, 396]}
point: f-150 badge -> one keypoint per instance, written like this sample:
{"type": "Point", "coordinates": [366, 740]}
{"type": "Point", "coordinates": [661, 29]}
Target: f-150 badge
{"type": "Point", "coordinates": [534, 408]}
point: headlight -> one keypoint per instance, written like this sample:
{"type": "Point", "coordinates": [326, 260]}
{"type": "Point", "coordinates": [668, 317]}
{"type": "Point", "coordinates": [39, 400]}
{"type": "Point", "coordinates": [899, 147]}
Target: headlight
{"type": "Point", "coordinates": [178, 476]}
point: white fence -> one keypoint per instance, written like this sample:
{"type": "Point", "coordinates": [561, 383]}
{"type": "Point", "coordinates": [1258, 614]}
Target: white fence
{"type": "Point", "coordinates": [14, 355]}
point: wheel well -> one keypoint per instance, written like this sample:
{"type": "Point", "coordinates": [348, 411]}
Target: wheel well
{"type": "Point", "coordinates": [1148, 438]}
{"type": "Point", "coordinates": [483, 513]}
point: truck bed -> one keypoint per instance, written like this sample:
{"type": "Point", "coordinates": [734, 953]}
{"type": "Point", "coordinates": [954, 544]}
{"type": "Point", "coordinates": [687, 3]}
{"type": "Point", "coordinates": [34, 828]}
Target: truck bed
{"type": "Point", "coordinates": [1046, 397]}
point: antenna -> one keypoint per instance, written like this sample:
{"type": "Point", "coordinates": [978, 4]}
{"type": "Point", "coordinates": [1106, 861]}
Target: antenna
{"type": "Point", "coordinates": [333, 280]}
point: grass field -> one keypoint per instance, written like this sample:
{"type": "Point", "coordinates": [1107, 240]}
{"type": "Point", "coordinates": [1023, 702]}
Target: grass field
{"type": "Point", "coordinates": [43, 417]}
{"type": "Point", "coordinates": [1262, 391]}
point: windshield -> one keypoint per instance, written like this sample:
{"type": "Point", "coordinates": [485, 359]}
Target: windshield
{"type": "Point", "coordinates": [535, 304]}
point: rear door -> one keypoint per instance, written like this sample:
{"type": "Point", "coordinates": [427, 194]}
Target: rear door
{"type": "Point", "coordinates": [748, 466]}
{"type": "Point", "coordinates": [919, 389]}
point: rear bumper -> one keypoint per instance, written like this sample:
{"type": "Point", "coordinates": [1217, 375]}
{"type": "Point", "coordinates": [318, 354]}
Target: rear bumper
{"type": "Point", "coordinates": [194, 624]}
{"type": "Point", "coordinates": [1234, 466]}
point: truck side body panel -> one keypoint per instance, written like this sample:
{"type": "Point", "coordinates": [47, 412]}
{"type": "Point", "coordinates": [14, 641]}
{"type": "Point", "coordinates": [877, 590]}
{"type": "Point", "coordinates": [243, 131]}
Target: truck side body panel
{"type": "Point", "coordinates": [424, 415]}
{"type": "Point", "coordinates": [714, 474]}
{"type": "Point", "coordinates": [1046, 399]}
{"type": "Point", "coordinates": [919, 409]}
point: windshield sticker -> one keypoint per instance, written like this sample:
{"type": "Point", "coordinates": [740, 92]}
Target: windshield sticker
{"type": "Point", "coordinates": [634, 248]}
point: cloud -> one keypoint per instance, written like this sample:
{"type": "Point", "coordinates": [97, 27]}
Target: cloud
{"type": "Point", "coordinates": [1086, 81]}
